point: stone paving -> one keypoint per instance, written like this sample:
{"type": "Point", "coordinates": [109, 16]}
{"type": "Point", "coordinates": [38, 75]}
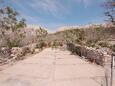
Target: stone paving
{"type": "Point", "coordinates": [52, 68]}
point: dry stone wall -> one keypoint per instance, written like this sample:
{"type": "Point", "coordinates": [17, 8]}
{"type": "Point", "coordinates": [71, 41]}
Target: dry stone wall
{"type": "Point", "coordinates": [98, 56]}
{"type": "Point", "coordinates": [16, 53]}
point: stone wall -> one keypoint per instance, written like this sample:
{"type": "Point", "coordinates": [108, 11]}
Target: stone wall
{"type": "Point", "coordinates": [98, 56]}
{"type": "Point", "coordinates": [16, 53]}
{"type": "Point", "coordinates": [5, 54]}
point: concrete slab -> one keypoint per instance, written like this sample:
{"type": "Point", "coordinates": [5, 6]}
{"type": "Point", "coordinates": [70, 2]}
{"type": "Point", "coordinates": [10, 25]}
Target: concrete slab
{"type": "Point", "coordinates": [75, 71]}
{"type": "Point", "coordinates": [70, 61]}
{"type": "Point", "coordinates": [52, 68]}
{"type": "Point", "coordinates": [35, 70]}
{"type": "Point", "coordinates": [37, 61]}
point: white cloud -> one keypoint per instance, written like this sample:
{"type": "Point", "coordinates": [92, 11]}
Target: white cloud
{"type": "Point", "coordinates": [54, 7]}
{"type": "Point", "coordinates": [51, 7]}
{"type": "Point", "coordinates": [31, 19]}
{"type": "Point", "coordinates": [86, 3]}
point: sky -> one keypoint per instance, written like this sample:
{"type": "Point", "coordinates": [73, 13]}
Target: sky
{"type": "Point", "coordinates": [53, 14]}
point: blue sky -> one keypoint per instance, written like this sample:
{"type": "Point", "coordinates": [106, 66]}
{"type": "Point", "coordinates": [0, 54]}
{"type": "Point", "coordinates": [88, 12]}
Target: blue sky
{"type": "Point", "coordinates": [56, 13]}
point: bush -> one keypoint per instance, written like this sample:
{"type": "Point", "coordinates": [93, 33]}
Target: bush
{"type": "Point", "coordinates": [11, 26]}
{"type": "Point", "coordinates": [40, 45]}
{"type": "Point", "coordinates": [103, 44]}
{"type": "Point", "coordinates": [74, 49]}
{"type": "Point", "coordinates": [91, 43]}
{"type": "Point", "coordinates": [113, 48]}
{"type": "Point", "coordinates": [13, 43]}
{"type": "Point", "coordinates": [55, 44]}
{"type": "Point", "coordinates": [70, 47]}
{"type": "Point", "coordinates": [77, 50]}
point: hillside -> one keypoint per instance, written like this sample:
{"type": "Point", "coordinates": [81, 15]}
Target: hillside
{"type": "Point", "coordinates": [90, 35]}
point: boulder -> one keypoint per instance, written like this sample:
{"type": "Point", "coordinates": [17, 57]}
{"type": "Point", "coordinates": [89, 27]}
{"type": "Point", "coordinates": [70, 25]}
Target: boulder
{"type": "Point", "coordinates": [17, 53]}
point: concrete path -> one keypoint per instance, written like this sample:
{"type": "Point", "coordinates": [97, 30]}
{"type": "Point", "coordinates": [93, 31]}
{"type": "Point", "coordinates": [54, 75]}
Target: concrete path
{"type": "Point", "coordinates": [52, 68]}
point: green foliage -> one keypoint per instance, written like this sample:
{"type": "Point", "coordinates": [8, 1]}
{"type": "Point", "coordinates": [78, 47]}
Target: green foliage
{"type": "Point", "coordinates": [21, 23]}
{"type": "Point", "coordinates": [110, 11]}
{"type": "Point", "coordinates": [40, 44]}
{"type": "Point", "coordinates": [98, 29]}
{"type": "Point", "coordinates": [41, 35]}
{"type": "Point", "coordinates": [103, 44]}
{"type": "Point", "coordinates": [91, 43]}
{"type": "Point", "coordinates": [74, 36]}
{"type": "Point", "coordinates": [113, 48]}
{"type": "Point", "coordinates": [85, 36]}
{"type": "Point", "coordinates": [41, 32]}
{"type": "Point", "coordinates": [77, 50]}
{"type": "Point", "coordinates": [74, 49]}
{"type": "Point", "coordinates": [13, 43]}
{"type": "Point", "coordinates": [9, 24]}
{"type": "Point", "coordinates": [55, 44]}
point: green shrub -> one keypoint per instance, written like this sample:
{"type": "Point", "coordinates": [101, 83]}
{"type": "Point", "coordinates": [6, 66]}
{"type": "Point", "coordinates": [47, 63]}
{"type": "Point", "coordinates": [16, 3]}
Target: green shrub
{"type": "Point", "coordinates": [113, 48]}
{"type": "Point", "coordinates": [78, 41]}
{"type": "Point", "coordinates": [13, 43]}
{"type": "Point", "coordinates": [91, 43]}
{"type": "Point", "coordinates": [70, 47]}
{"type": "Point", "coordinates": [74, 49]}
{"type": "Point", "coordinates": [77, 50]}
{"type": "Point", "coordinates": [40, 45]}
{"type": "Point", "coordinates": [55, 44]}
{"type": "Point", "coordinates": [103, 44]}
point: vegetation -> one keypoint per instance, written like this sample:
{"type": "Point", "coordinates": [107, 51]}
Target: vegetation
{"type": "Point", "coordinates": [13, 33]}
{"type": "Point", "coordinates": [113, 47]}
{"type": "Point", "coordinates": [16, 38]}
{"type": "Point", "coordinates": [96, 36]}
{"type": "Point", "coordinates": [13, 30]}
{"type": "Point", "coordinates": [74, 49]}
{"type": "Point", "coordinates": [55, 44]}
{"type": "Point", "coordinates": [103, 44]}
{"type": "Point", "coordinates": [74, 36]}
{"type": "Point", "coordinates": [9, 24]}
{"type": "Point", "coordinates": [40, 45]}
{"type": "Point", "coordinates": [110, 11]}
{"type": "Point", "coordinates": [41, 35]}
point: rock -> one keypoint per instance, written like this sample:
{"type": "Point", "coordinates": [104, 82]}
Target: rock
{"type": "Point", "coordinates": [99, 56]}
{"type": "Point", "coordinates": [37, 50]}
{"type": "Point", "coordinates": [17, 53]}
{"type": "Point", "coordinates": [32, 48]}
{"type": "Point", "coordinates": [5, 52]}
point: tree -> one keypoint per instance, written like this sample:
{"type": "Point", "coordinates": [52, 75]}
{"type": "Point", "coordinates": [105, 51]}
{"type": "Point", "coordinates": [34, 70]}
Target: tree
{"type": "Point", "coordinates": [41, 33]}
{"type": "Point", "coordinates": [74, 36]}
{"type": "Point", "coordinates": [9, 24]}
{"type": "Point", "coordinates": [110, 11]}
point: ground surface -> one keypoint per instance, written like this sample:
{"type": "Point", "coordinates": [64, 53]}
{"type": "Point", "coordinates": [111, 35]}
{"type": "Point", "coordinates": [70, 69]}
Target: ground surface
{"type": "Point", "coordinates": [52, 68]}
